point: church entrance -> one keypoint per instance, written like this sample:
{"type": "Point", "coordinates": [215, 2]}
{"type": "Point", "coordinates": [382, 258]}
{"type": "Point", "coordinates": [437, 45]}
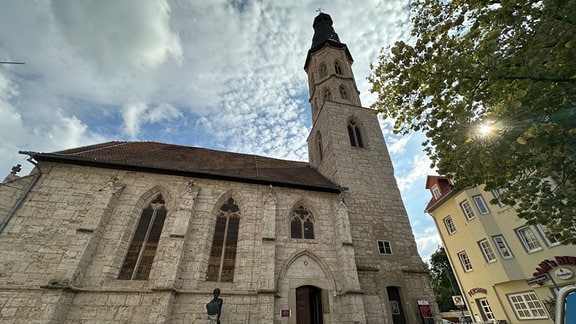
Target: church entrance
{"type": "Point", "coordinates": [396, 305]}
{"type": "Point", "coordinates": [308, 305]}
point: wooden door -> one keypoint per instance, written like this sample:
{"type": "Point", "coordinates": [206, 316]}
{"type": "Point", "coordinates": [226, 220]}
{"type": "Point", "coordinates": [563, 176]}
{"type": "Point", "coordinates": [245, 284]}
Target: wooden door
{"type": "Point", "coordinates": [308, 305]}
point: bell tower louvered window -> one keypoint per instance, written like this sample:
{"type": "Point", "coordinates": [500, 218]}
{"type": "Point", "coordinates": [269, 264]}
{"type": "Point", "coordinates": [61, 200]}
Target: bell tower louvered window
{"type": "Point", "coordinates": [223, 253]}
{"type": "Point", "coordinates": [355, 134]}
{"type": "Point", "coordinates": [327, 95]}
{"type": "Point", "coordinates": [302, 225]}
{"type": "Point", "coordinates": [337, 68]}
{"type": "Point", "coordinates": [142, 250]}
{"type": "Point", "coordinates": [323, 71]}
{"type": "Point", "coordinates": [343, 92]}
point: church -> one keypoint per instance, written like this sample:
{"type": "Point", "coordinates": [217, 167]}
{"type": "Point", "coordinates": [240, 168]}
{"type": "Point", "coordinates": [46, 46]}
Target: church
{"type": "Point", "coordinates": [144, 232]}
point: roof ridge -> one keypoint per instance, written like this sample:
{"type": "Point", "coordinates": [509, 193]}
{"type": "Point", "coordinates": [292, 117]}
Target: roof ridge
{"type": "Point", "coordinates": [99, 147]}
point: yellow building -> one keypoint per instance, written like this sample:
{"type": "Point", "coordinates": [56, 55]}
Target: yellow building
{"type": "Point", "coordinates": [508, 271]}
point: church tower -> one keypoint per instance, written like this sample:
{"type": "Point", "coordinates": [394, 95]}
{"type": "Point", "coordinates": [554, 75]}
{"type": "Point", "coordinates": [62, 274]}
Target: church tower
{"type": "Point", "coordinates": [347, 146]}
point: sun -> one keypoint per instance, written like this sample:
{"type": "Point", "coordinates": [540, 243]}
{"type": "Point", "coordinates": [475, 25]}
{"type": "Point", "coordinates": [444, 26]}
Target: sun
{"type": "Point", "coordinates": [485, 129]}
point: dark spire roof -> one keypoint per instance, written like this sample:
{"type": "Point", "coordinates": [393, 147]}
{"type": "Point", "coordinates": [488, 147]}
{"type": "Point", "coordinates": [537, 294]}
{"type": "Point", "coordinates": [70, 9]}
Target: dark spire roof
{"type": "Point", "coordinates": [323, 30]}
{"type": "Point", "coordinates": [324, 34]}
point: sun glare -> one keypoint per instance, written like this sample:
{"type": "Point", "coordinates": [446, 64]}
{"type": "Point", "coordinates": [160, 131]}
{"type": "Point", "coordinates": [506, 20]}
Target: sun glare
{"type": "Point", "coordinates": [485, 129]}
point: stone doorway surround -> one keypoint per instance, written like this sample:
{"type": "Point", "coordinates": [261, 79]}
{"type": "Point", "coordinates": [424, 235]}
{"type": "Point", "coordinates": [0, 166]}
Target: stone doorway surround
{"type": "Point", "coordinates": [305, 269]}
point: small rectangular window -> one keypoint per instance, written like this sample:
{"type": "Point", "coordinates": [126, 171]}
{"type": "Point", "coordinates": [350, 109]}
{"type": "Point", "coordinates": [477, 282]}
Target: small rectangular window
{"type": "Point", "coordinates": [467, 209]}
{"type": "Point", "coordinates": [547, 235]}
{"type": "Point", "coordinates": [528, 239]}
{"type": "Point", "coordinates": [480, 204]}
{"type": "Point", "coordinates": [465, 261]}
{"type": "Point", "coordinates": [449, 223]}
{"type": "Point", "coordinates": [485, 308]}
{"type": "Point", "coordinates": [487, 251]}
{"type": "Point", "coordinates": [497, 193]}
{"type": "Point", "coordinates": [527, 306]}
{"type": "Point", "coordinates": [502, 247]}
{"type": "Point", "coordinates": [384, 247]}
{"type": "Point", "coordinates": [436, 191]}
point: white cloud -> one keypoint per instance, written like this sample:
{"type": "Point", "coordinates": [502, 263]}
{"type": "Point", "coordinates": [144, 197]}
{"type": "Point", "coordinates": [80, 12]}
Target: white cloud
{"type": "Point", "coordinates": [427, 242]}
{"type": "Point", "coordinates": [397, 144]}
{"type": "Point", "coordinates": [418, 169]}
{"type": "Point", "coordinates": [222, 74]}
{"type": "Point", "coordinates": [118, 35]}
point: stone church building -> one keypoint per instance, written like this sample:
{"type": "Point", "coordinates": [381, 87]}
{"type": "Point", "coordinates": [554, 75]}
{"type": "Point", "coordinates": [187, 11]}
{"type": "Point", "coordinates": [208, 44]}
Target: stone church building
{"type": "Point", "coordinates": [143, 232]}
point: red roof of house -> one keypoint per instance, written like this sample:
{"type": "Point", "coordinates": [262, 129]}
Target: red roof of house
{"type": "Point", "coordinates": [444, 185]}
{"type": "Point", "coordinates": [195, 162]}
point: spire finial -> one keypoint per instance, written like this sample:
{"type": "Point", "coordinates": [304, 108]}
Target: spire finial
{"type": "Point", "coordinates": [319, 10]}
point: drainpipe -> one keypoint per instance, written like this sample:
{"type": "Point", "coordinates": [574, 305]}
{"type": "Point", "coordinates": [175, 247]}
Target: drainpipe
{"type": "Point", "coordinates": [26, 191]}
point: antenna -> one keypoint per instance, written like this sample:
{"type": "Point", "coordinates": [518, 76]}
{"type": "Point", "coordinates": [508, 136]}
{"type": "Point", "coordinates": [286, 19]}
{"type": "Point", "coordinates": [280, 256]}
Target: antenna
{"type": "Point", "coordinates": [7, 62]}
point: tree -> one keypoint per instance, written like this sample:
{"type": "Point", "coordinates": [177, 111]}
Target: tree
{"type": "Point", "coordinates": [508, 69]}
{"type": "Point", "coordinates": [441, 276]}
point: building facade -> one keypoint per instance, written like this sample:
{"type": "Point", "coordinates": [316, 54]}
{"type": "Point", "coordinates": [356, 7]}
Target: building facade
{"type": "Point", "coordinates": [143, 232]}
{"type": "Point", "coordinates": [507, 270]}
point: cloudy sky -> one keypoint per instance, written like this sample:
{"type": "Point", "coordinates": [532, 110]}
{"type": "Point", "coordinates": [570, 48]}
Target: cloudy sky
{"type": "Point", "coordinates": [226, 75]}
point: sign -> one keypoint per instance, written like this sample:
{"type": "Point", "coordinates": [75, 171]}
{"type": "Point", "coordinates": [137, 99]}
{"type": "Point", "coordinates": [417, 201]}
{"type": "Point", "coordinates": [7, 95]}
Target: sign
{"type": "Point", "coordinates": [563, 273]}
{"type": "Point", "coordinates": [285, 313]}
{"type": "Point", "coordinates": [547, 265]}
{"type": "Point", "coordinates": [537, 279]}
{"type": "Point", "coordinates": [477, 290]}
{"type": "Point", "coordinates": [423, 302]}
{"type": "Point", "coordinates": [458, 300]}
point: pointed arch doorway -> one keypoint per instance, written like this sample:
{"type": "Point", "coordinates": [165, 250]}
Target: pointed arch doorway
{"type": "Point", "coordinates": [309, 305]}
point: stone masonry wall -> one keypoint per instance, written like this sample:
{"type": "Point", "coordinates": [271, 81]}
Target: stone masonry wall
{"type": "Point", "coordinates": [64, 248]}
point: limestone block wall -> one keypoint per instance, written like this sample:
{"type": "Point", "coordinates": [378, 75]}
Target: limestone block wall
{"type": "Point", "coordinates": [10, 191]}
{"type": "Point", "coordinates": [376, 210]}
{"type": "Point", "coordinates": [64, 248]}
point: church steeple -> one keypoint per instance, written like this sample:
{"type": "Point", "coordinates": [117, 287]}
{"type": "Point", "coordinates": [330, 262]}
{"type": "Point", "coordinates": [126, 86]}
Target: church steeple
{"type": "Point", "coordinates": [329, 68]}
{"type": "Point", "coordinates": [323, 30]}
{"type": "Point", "coordinates": [347, 146]}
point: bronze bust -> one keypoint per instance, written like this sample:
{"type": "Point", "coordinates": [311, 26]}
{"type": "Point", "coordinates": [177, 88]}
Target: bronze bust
{"type": "Point", "coordinates": [214, 307]}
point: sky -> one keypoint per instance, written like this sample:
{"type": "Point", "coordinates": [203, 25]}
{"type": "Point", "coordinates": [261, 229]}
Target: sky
{"type": "Point", "coordinates": [226, 75]}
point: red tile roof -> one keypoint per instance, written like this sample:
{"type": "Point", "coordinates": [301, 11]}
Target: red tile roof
{"type": "Point", "coordinates": [444, 185]}
{"type": "Point", "coordinates": [195, 162]}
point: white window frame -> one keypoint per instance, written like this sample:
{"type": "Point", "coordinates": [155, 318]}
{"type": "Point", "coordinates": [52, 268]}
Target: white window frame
{"type": "Point", "coordinates": [528, 239]}
{"type": "Point", "coordinates": [485, 308]}
{"type": "Point", "coordinates": [502, 247]}
{"type": "Point", "coordinates": [449, 223]}
{"type": "Point", "coordinates": [436, 191]}
{"type": "Point", "coordinates": [487, 251]}
{"type": "Point", "coordinates": [384, 247]}
{"type": "Point", "coordinates": [467, 209]}
{"type": "Point", "coordinates": [526, 305]}
{"type": "Point", "coordinates": [545, 233]}
{"type": "Point", "coordinates": [481, 204]}
{"type": "Point", "coordinates": [465, 261]}
{"type": "Point", "coordinates": [497, 193]}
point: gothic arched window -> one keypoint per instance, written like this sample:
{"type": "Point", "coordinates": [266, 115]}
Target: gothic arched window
{"type": "Point", "coordinates": [327, 95]}
{"type": "Point", "coordinates": [223, 253]}
{"type": "Point", "coordinates": [337, 68]}
{"type": "Point", "coordinates": [355, 134]}
{"type": "Point", "coordinates": [302, 224]}
{"type": "Point", "coordinates": [140, 256]}
{"type": "Point", "coordinates": [343, 93]}
{"type": "Point", "coordinates": [323, 70]}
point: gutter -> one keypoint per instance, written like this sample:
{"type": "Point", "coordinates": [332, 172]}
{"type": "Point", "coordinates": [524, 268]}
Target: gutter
{"type": "Point", "coordinates": [24, 194]}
